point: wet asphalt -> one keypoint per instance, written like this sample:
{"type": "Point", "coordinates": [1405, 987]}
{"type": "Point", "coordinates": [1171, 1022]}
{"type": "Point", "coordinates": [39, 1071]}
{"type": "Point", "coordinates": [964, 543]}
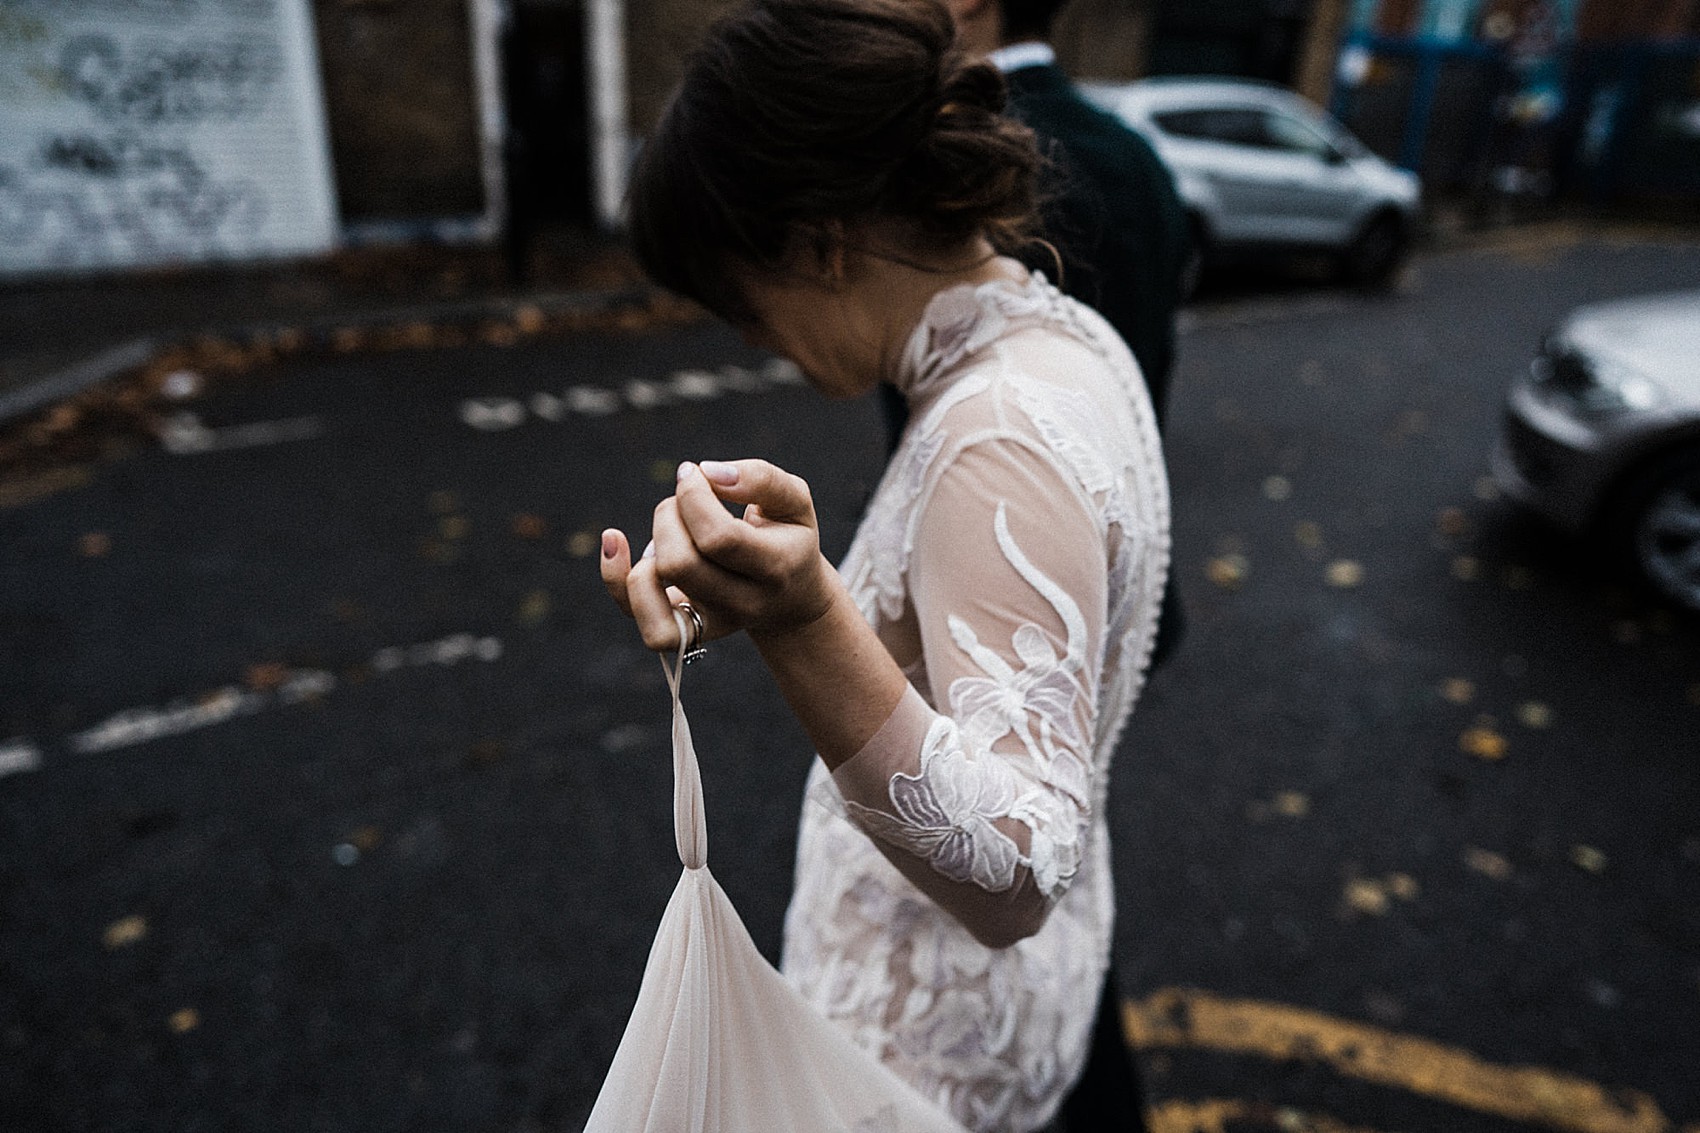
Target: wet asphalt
{"type": "Point", "coordinates": [334, 795]}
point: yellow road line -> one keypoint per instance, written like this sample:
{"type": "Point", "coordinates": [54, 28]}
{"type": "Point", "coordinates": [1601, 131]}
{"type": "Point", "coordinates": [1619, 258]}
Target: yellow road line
{"type": "Point", "coordinates": [1215, 1115]}
{"type": "Point", "coordinates": [1177, 1017]}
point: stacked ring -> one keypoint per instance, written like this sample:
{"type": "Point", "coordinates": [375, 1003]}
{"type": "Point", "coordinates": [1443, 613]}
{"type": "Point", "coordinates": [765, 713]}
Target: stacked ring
{"type": "Point", "coordinates": [695, 650]}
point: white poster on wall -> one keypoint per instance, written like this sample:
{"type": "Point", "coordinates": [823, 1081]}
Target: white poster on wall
{"type": "Point", "coordinates": [149, 132]}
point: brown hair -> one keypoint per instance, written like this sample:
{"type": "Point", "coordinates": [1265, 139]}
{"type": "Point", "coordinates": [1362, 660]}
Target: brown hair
{"type": "Point", "coordinates": [796, 115]}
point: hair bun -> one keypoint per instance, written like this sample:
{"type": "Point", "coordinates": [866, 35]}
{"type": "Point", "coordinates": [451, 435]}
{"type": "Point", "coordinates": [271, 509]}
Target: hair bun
{"type": "Point", "coordinates": [973, 86]}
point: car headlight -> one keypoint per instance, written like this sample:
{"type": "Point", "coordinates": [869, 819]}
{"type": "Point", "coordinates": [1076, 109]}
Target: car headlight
{"type": "Point", "coordinates": [1592, 385]}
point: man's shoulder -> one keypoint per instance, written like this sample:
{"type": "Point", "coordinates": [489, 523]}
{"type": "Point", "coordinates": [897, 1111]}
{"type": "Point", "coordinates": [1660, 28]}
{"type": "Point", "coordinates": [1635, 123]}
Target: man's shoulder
{"type": "Point", "coordinates": [1056, 109]}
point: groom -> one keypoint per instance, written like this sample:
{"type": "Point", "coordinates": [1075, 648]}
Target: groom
{"type": "Point", "coordinates": [1119, 228]}
{"type": "Point", "coordinates": [1110, 202]}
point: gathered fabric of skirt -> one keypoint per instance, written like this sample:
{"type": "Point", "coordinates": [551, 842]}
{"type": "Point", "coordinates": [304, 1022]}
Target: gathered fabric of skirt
{"type": "Point", "coordinates": [1013, 561]}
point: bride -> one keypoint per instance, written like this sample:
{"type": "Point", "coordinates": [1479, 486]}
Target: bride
{"type": "Point", "coordinates": [835, 180]}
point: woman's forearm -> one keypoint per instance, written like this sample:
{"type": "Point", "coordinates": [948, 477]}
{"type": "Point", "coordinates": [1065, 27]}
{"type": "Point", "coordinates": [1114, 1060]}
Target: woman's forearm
{"type": "Point", "coordinates": [836, 676]}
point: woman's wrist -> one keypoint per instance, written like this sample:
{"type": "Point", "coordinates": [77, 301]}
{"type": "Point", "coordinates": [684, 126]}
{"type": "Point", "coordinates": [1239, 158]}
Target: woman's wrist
{"type": "Point", "coordinates": [836, 675]}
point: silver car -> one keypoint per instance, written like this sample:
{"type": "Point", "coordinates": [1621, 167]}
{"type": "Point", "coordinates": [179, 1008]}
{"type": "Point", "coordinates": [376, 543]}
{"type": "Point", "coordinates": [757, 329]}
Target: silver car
{"type": "Point", "coordinates": [1603, 434]}
{"type": "Point", "coordinates": [1261, 169]}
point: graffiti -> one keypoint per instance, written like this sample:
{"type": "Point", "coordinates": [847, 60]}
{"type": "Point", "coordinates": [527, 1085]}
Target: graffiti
{"type": "Point", "coordinates": [159, 83]}
{"type": "Point", "coordinates": [92, 197]}
{"type": "Point", "coordinates": [158, 131]}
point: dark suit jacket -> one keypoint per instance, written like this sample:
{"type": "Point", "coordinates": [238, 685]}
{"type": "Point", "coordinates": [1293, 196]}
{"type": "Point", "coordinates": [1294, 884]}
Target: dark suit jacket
{"type": "Point", "coordinates": [1111, 209]}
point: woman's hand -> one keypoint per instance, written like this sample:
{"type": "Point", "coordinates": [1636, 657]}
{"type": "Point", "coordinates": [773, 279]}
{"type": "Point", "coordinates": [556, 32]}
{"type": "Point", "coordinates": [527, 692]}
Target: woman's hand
{"type": "Point", "coordinates": [762, 572]}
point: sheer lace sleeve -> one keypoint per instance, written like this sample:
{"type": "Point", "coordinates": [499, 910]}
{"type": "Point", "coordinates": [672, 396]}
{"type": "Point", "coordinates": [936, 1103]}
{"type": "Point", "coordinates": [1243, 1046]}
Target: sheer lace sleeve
{"type": "Point", "coordinates": [984, 803]}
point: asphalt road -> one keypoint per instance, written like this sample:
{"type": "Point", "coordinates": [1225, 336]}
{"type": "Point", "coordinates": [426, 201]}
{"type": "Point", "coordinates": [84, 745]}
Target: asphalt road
{"type": "Point", "coordinates": [334, 795]}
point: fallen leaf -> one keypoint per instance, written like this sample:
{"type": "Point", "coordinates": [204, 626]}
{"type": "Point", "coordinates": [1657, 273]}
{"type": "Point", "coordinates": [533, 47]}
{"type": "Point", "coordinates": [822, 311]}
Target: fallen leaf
{"type": "Point", "coordinates": [1487, 863]}
{"type": "Point", "coordinates": [1345, 573]}
{"type": "Point", "coordinates": [1452, 522]}
{"type": "Point", "coordinates": [124, 932]}
{"type": "Point", "coordinates": [1466, 568]}
{"type": "Point", "coordinates": [527, 526]}
{"type": "Point", "coordinates": [1365, 895]}
{"type": "Point", "coordinates": [1292, 804]}
{"type": "Point", "coordinates": [1458, 690]}
{"type": "Point", "coordinates": [267, 676]}
{"type": "Point", "coordinates": [94, 544]}
{"type": "Point", "coordinates": [1308, 535]}
{"type": "Point", "coordinates": [453, 527]}
{"type": "Point", "coordinates": [1534, 714]}
{"type": "Point", "coordinates": [1518, 578]}
{"type": "Point", "coordinates": [1588, 858]}
{"type": "Point", "coordinates": [185, 1020]}
{"type": "Point", "coordinates": [1227, 571]}
{"type": "Point", "coordinates": [366, 839]}
{"type": "Point", "coordinates": [1402, 886]}
{"type": "Point", "coordinates": [583, 544]}
{"type": "Point", "coordinates": [1277, 488]}
{"type": "Point", "coordinates": [535, 608]}
{"type": "Point", "coordinates": [528, 320]}
{"type": "Point", "coordinates": [1483, 743]}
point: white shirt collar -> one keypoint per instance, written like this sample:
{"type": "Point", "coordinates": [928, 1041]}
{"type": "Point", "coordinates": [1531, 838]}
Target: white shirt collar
{"type": "Point", "coordinates": [1015, 56]}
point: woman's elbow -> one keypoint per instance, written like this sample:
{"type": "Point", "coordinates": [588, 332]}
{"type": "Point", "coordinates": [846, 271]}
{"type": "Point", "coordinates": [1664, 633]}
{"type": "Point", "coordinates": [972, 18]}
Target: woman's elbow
{"type": "Point", "coordinates": [1014, 923]}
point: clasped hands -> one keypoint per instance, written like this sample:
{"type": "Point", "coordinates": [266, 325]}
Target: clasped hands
{"type": "Point", "coordinates": [762, 571]}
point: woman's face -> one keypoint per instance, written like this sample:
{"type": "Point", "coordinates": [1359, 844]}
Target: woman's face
{"type": "Point", "coordinates": [824, 328]}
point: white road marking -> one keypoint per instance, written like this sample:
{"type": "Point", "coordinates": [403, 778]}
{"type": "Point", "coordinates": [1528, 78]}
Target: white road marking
{"type": "Point", "coordinates": [497, 414]}
{"type": "Point", "coordinates": [184, 435]}
{"type": "Point", "coordinates": [132, 726]}
{"type": "Point", "coordinates": [138, 725]}
{"type": "Point", "coordinates": [17, 756]}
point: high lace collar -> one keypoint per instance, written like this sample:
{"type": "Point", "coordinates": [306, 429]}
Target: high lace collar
{"type": "Point", "coordinates": [963, 320]}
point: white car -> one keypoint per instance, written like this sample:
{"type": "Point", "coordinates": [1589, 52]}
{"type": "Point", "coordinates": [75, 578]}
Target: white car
{"type": "Point", "coordinates": [1261, 169]}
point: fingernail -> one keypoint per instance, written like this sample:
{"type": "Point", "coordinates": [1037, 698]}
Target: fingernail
{"type": "Point", "coordinates": [684, 470]}
{"type": "Point", "coordinates": [720, 472]}
{"type": "Point", "coordinates": [610, 545]}
{"type": "Point", "coordinates": [649, 551]}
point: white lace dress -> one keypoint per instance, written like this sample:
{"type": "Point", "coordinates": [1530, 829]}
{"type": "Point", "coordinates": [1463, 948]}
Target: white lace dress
{"type": "Point", "coordinates": [1012, 560]}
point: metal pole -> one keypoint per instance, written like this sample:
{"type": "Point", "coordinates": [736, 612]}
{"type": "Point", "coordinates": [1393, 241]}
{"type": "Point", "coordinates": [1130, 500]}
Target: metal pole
{"type": "Point", "coordinates": [489, 18]}
{"type": "Point", "coordinates": [610, 137]}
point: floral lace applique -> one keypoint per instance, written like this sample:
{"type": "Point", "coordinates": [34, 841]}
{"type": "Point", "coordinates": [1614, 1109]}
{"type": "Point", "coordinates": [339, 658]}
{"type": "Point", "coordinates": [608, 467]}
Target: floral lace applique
{"type": "Point", "coordinates": [944, 814]}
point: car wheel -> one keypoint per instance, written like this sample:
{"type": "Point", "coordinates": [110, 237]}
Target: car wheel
{"type": "Point", "coordinates": [1662, 528]}
{"type": "Point", "coordinates": [1374, 258]}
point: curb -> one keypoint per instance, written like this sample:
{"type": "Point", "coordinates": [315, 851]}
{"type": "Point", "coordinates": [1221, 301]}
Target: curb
{"type": "Point", "coordinates": [237, 347]}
